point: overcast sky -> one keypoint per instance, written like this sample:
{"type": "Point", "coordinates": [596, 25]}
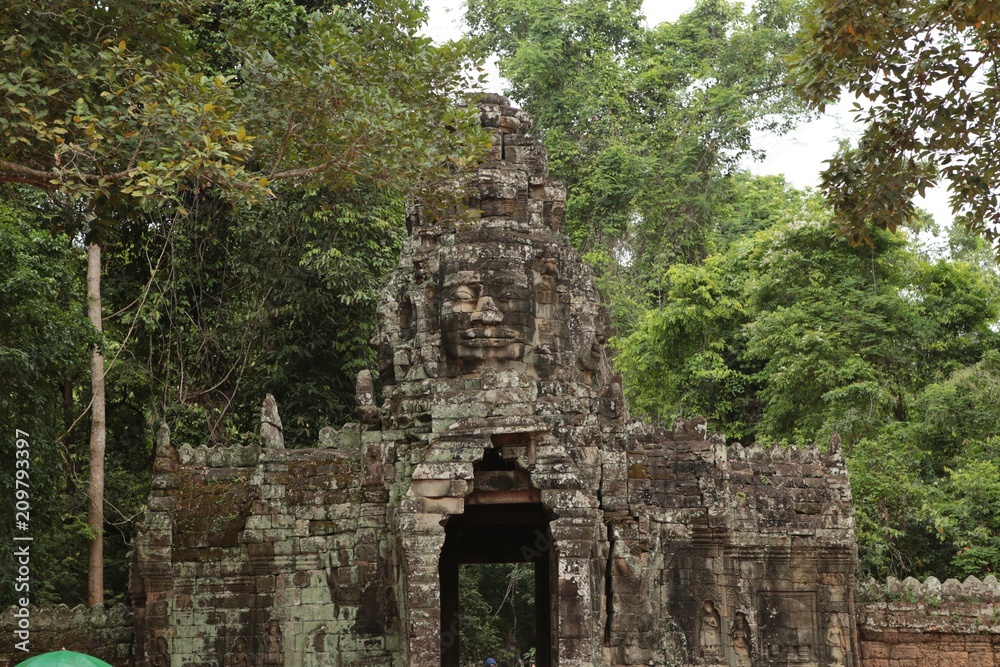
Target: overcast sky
{"type": "Point", "coordinates": [798, 155]}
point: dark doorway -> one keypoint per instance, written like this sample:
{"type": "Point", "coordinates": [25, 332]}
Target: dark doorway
{"type": "Point", "coordinates": [501, 533]}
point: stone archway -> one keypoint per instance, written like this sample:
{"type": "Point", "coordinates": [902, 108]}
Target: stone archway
{"type": "Point", "coordinates": [500, 533]}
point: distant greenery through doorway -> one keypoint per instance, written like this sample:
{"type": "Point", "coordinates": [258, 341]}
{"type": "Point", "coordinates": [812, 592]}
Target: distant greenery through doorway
{"type": "Point", "coordinates": [497, 610]}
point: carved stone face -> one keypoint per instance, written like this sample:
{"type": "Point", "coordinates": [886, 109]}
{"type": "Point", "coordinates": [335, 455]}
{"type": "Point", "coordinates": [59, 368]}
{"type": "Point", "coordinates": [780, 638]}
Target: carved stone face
{"type": "Point", "coordinates": [486, 309]}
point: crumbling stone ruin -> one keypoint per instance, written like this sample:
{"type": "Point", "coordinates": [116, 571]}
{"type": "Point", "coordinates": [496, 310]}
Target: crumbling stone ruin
{"type": "Point", "coordinates": [908, 623]}
{"type": "Point", "coordinates": [501, 435]}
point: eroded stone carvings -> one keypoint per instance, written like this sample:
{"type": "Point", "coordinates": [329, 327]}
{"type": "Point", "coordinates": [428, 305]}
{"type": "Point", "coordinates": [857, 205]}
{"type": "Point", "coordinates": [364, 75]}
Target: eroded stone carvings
{"type": "Point", "coordinates": [498, 405]}
{"type": "Point", "coordinates": [741, 642]}
{"type": "Point", "coordinates": [239, 656]}
{"type": "Point", "coordinates": [710, 635]}
{"type": "Point", "coordinates": [273, 644]}
{"type": "Point", "coordinates": [487, 306]}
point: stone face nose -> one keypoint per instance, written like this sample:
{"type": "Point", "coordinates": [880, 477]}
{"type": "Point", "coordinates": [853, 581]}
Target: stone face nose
{"type": "Point", "coordinates": [487, 312]}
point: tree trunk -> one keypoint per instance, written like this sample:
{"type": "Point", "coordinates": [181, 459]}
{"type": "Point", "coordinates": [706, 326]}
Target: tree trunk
{"type": "Point", "coordinates": [98, 437]}
{"type": "Point", "coordinates": [67, 392]}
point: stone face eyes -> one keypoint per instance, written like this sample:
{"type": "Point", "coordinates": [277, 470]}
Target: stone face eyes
{"type": "Point", "coordinates": [462, 297]}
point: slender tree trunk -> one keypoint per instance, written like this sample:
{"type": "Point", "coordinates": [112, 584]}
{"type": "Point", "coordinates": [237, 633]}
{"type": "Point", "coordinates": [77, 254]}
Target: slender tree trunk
{"type": "Point", "coordinates": [98, 437]}
{"type": "Point", "coordinates": [67, 392]}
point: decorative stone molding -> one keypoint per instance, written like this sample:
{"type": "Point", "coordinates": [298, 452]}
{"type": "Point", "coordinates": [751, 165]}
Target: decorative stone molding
{"type": "Point", "coordinates": [930, 590]}
{"type": "Point", "coordinates": [104, 632]}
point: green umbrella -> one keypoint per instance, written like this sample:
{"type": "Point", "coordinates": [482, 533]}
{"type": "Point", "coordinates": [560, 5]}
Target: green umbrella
{"type": "Point", "coordinates": [63, 659]}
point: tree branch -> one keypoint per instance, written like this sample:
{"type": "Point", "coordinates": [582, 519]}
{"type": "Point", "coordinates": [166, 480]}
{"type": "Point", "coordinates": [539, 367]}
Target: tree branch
{"type": "Point", "coordinates": [11, 172]}
{"type": "Point", "coordinates": [15, 173]}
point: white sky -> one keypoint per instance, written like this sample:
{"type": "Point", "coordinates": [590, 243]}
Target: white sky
{"type": "Point", "coordinates": [798, 155]}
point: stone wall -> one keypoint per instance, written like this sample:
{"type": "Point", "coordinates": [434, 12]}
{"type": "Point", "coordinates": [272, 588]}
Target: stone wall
{"type": "Point", "coordinates": [103, 633]}
{"type": "Point", "coordinates": [751, 551]}
{"type": "Point", "coordinates": [500, 423]}
{"type": "Point", "coordinates": [264, 557]}
{"type": "Point", "coordinates": [912, 624]}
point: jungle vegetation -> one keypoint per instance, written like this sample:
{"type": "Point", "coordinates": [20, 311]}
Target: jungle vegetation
{"type": "Point", "coordinates": [180, 140]}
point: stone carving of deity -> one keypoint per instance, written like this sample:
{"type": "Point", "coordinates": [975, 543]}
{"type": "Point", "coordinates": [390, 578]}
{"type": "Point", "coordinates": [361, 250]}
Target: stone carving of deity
{"type": "Point", "coordinates": [486, 307]}
{"type": "Point", "coordinates": [739, 636]}
{"type": "Point", "coordinates": [239, 656]}
{"type": "Point", "coordinates": [837, 641]}
{"type": "Point", "coordinates": [710, 635]}
{"type": "Point", "coordinates": [160, 655]}
{"type": "Point", "coordinates": [273, 650]}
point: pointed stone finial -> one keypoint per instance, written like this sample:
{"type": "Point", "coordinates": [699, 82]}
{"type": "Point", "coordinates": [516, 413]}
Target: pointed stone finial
{"type": "Point", "coordinates": [165, 459]}
{"type": "Point", "coordinates": [952, 589]}
{"type": "Point", "coordinates": [695, 428]}
{"type": "Point", "coordinates": [364, 397]}
{"type": "Point", "coordinates": [271, 435]}
{"type": "Point", "coordinates": [834, 443]}
{"type": "Point", "coordinates": [162, 438]}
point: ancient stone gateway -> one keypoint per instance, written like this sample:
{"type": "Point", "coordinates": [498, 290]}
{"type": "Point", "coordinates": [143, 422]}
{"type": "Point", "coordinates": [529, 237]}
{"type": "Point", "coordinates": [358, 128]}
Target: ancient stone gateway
{"type": "Point", "coordinates": [501, 436]}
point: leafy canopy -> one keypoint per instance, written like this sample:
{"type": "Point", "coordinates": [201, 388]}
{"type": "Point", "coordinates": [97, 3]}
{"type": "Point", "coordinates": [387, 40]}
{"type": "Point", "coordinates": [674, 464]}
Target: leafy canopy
{"type": "Point", "coordinates": [792, 334]}
{"type": "Point", "coordinates": [122, 98]}
{"type": "Point", "coordinates": [156, 121]}
{"type": "Point", "coordinates": [925, 75]}
{"type": "Point", "coordinates": [645, 125]}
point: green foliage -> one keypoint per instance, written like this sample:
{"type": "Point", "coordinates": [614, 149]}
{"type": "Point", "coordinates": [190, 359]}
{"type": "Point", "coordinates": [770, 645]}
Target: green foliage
{"type": "Point", "coordinates": [685, 351]}
{"type": "Point", "coordinates": [94, 104]}
{"type": "Point", "coordinates": [784, 335]}
{"type": "Point", "coordinates": [925, 73]}
{"type": "Point", "coordinates": [375, 127]}
{"type": "Point", "coordinates": [156, 124]}
{"type": "Point", "coordinates": [279, 299]}
{"type": "Point", "coordinates": [645, 125]}
{"type": "Point", "coordinates": [958, 413]}
{"type": "Point", "coordinates": [889, 495]}
{"type": "Point", "coordinates": [828, 337]}
{"type": "Point", "coordinates": [791, 334]}
{"type": "Point", "coordinates": [956, 308]}
{"type": "Point", "coordinates": [44, 339]}
{"type": "Point", "coordinates": [121, 98]}
{"type": "Point", "coordinates": [497, 610]}
{"type": "Point", "coordinates": [925, 488]}
{"type": "Point", "coordinates": [968, 516]}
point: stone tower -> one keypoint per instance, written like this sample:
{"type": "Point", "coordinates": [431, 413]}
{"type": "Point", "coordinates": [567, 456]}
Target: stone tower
{"type": "Point", "coordinates": [501, 436]}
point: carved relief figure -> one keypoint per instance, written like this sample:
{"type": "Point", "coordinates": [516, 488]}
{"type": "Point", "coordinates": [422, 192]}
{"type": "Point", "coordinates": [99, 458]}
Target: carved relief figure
{"type": "Point", "coordinates": [710, 635]}
{"type": "Point", "coordinates": [739, 637]}
{"type": "Point", "coordinates": [159, 656]}
{"type": "Point", "coordinates": [836, 639]}
{"type": "Point", "coordinates": [239, 657]}
{"type": "Point", "coordinates": [273, 645]}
